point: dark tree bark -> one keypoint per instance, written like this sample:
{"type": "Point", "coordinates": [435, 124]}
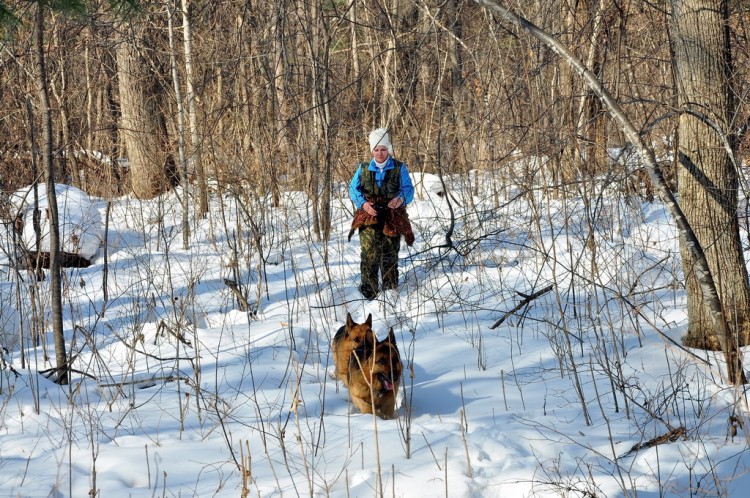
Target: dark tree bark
{"type": "Point", "coordinates": [48, 163]}
{"type": "Point", "coordinates": [142, 124]}
{"type": "Point", "coordinates": [707, 178]}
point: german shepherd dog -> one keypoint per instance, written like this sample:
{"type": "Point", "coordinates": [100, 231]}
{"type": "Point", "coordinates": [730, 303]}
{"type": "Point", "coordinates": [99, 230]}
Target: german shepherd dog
{"type": "Point", "coordinates": [349, 338]}
{"type": "Point", "coordinates": [374, 376]}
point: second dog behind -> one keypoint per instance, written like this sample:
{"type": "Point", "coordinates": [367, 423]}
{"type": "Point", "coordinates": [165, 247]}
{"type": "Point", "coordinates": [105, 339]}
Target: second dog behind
{"type": "Point", "coordinates": [348, 338]}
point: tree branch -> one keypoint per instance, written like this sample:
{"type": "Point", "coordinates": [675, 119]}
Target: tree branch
{"type": "Point", "coordinates": [527, 298]}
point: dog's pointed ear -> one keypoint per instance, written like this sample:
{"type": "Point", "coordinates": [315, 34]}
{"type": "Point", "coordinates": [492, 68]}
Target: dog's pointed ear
{"type": "Point", "coordinates": [391, 337]}
{"type": "Point", "coordinates": [369, 320]}
{"type": "Point", "coordinates": [361, 352]}
{"type": "Point", "coordinates": [349, 321]}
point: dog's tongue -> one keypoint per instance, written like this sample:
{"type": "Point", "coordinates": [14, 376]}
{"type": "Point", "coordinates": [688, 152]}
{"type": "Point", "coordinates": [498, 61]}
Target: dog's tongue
{"type": "Point", "coordinates": [388, 384]}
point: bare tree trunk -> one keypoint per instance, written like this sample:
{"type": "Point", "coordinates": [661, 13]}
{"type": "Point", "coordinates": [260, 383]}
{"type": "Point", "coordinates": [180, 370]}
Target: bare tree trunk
{"type": "Point", "coordinates": [180, 129]}
{"type": "Point", "coordinates": [315, 127]}
{"type": "Point", "coordinates": [355, 64]}
{"type": "Point", "coordinates": [194, 152]}
{"type": "Point", "coordinates": [320, 54]}
{"type": "Point", "coordinates": [707, 180]}
{"type": "Point", "coordinates": [457, 87]}
{"type": "Point", "coordinates": [566, 89]}
{"type": "Point", "coordinates": [285, 127]}
{"type": "Point", "coordinates": [61, 96]}
{"type": "Point", "coordinates": [590, 123]}
{"type": "Point", "coordinates": [389, 107]}
{"type": "Point", "coordinates": [142, 126]}
{"type": "Point", "coordinates": [61, 356]}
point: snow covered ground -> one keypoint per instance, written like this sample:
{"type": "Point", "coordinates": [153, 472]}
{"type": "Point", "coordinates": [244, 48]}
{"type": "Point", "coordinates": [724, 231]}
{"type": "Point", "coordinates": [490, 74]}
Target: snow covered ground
{"type": "Point", "coordinates": [180, 391]}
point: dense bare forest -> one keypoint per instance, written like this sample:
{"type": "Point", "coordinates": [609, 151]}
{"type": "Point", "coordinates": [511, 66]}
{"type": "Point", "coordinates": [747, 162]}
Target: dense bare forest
{"type": "Point", "coordinates": [281, 94]}
{"type": "Point", "coordinates": [269, 97]}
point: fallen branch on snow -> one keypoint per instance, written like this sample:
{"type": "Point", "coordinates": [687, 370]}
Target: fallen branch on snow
{"type": "Point", "coordinates": [527, 298]}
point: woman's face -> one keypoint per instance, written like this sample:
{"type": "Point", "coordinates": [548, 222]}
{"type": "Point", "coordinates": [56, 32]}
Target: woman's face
{"type": "Point", "coordinates": [380, 153]}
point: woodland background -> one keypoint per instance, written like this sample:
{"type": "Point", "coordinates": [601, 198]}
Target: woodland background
{"type": "Point", "coordinates": [280, 95]}
{"type": "Point", "coordinates": [253, 99]}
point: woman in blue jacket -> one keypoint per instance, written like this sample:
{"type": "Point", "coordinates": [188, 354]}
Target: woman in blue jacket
{"type": "Point", "coordinates": [380, 190]}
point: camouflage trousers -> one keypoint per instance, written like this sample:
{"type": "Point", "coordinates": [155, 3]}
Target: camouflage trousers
{"type": "Point", "coordinates": [379, 254]}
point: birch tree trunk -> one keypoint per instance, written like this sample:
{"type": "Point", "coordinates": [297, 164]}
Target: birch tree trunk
{"type": "Point", "coordinates": [194, 152]}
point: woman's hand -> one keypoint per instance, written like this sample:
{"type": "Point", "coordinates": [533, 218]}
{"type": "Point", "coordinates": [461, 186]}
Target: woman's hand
{"type": "Point", "coordinates": [395, 202]}
{"type": "Point", "coordinates": [369, 209]}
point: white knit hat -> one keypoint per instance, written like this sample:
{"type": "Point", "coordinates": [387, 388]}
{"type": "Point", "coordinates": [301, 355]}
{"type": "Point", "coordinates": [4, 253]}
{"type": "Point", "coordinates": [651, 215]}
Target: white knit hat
{"type": "Point", "coordinates": [380, 137]}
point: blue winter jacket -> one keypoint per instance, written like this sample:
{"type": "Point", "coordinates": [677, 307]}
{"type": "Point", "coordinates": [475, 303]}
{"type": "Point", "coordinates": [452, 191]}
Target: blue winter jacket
{"type": "Point", "coordinates": [406, 191]}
